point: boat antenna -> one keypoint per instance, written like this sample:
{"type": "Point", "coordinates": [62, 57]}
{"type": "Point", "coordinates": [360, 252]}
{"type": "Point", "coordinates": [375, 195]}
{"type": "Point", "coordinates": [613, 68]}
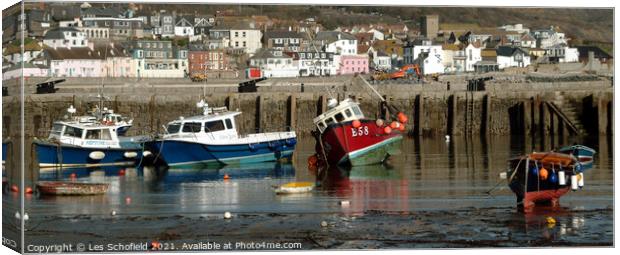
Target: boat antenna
{"type": "Point", "coordinates": [329, 92]}
{"type": "Point", "coordinates": [101, 88]}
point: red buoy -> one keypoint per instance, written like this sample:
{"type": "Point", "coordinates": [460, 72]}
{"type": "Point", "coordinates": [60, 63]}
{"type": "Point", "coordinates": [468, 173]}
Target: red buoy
{"type": "Point", "coordinates": [128, 200]}
{"type": "Point", "coordinates": [29, 190]}
{"type": "Point", "coordinates": [394, 125]}
{"type": "Point", "coordinates": [356, 123]}
{"type": "Point", "coordinates": [14, 188]}
{"type": "Point", "coordinates": [402, 128]}
{"type": "Point", "coordinates": [73, 176]}
{"type": "Point", "coordinates": [387, 130]}
{"type": "Point", "coordinates": [121, 172]}
{"type": "Point", "coordinates": [402, 117]}
{"type": "Point", "coordinates": [226, 177]}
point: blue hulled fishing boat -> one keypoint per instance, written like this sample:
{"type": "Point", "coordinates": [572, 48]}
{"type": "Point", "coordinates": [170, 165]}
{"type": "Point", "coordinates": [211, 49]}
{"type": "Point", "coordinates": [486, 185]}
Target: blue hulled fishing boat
{"type": "Point", "coordinates": [83, 143]}
{"type": "Point", "coordinates": [212, 139]}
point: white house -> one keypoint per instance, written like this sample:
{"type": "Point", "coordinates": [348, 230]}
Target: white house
{"type": "Point", "coordinates": [65, 37]}
{"type": "Point", "coordinates": [381, 61]}
{"type": "Point", "coordinates": [562, 54]}
{"type": "Point", "coordinates": [430, 63]}
{"type": "Point", "coordinates": [508, 56]}
{"type": "Point", "coordinates": [549, 37]}
{"type": "Point", "coordinates": [519, 28]}
{"type": "Point", "coordinates": [30, 70]}
{"type": "Point", "coordinates": [337, 42]}
{"type": "Point", "coordinates": [247, 38]}
{"type": "Point", "coordinates": [473, 54]}
{"type": "Point", "coordinates": [312, 63]}
{"type": "Point", "coordinates": [430, 57]}
{"type": "Point", "coordinates": [376, 34]}
{"type": "Point", "coordinates": [184, 27]}
{"type": "Point", "coordinates": [274, 64]}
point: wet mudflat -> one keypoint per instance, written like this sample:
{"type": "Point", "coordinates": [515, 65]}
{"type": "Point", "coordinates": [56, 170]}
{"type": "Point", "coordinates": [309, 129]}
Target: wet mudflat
{"type": "Point", "coordinates": [434, 195]}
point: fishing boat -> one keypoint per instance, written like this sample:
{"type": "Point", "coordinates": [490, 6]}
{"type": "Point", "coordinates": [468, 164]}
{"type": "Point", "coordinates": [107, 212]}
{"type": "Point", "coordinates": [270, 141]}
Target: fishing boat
{"type": "Point", "coordinates": [80, 143]}
{"type": "Point", "coordinates": [345, 137]}
{"type": "Point", "coordinates": [584, 154]}
{"type": "Point", "coordinates": [211, 139]}
{"type": "Point", "coordinates": [543, 177]}
{"type": "Point", "coordinates": [59, 188]}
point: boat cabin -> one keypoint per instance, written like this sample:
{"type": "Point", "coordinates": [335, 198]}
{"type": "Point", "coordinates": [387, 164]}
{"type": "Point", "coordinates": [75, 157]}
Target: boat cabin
{"type": "Point", "coordinates": [85, 134]}
{"type": "Point", "coordinates": [346, 110]}
{"type": "Point", "coordinates": [212, 126]}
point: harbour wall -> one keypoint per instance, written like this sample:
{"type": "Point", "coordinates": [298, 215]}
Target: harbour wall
{"type": "Point", "coordinates": [501, 109]}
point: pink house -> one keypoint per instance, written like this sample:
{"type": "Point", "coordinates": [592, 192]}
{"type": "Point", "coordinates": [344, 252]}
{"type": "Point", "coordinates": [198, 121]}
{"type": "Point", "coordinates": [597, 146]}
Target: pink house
{"type": "Point", "coordinates": [350, 64]}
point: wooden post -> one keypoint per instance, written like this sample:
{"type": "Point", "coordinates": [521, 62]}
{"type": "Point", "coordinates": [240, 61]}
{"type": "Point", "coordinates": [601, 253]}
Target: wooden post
{"type": "Point", "coordinates": [292, 114]}
{"type": "Point", "coordinates": [486, 111]}
{"type": "Point", "coordinates": [602, 116]}
{"type": "Point", "coordinates": [527, 117]}
{"type": "Point", "coordinates": [419, 120]}
{"type": "Point", "coordinates": [452, 112]}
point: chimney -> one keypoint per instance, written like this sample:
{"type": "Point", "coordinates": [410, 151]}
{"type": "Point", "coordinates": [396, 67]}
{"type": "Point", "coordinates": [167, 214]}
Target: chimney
{"type": "Point", "coordinates": [338, 36]}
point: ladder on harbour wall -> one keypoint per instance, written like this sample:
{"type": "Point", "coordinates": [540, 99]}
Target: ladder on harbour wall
{"type": "Point", "coordinates": [469, 112]}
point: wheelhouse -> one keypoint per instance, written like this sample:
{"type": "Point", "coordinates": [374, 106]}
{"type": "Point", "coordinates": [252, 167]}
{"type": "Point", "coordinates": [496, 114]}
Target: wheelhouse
{"type": "Point", "coordinates": [213, 126]}
{"type": "Point", "coordinates": [85, 134]}
{"type": "Point", "coordinates": [347, 110]}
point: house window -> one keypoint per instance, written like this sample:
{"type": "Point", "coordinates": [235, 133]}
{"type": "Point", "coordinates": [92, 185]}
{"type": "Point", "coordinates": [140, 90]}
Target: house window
{"type": "Point", "coordinates": [236, 44]}
{"type": "Point", "coordinates": [244, 44]}
{"type": "Point", "coordinates": [236, 34]}
{"type": "Point", "coordinates": [243, 34]}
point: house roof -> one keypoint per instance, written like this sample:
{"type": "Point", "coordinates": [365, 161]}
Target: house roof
{"type": "Point", "coordinates": [364, 37]}
{"type": "Point", "coordinates": [185, 21]}
{"type": "Point", "coordinates": [58, 33]}
{"type": "Point", "coordinates": [508, 51]}
{"type": "Point", "coordinates": [332, 36]}
{"type": "Point", "coordinates": [389, 47]}
{"type": "Point", "coordinates": [99, 52]}
{"type": "Point", "coordinates": [598, 52]}
{"type": "Point", "coordinates": [283, 34]}
{"type": "Point", "coordinates": [101, 12]}
{"type": "Point", "coordinates": [12, 49]}
{"type": "Point", "coordinates": [491, 53]}
{"type": "Point", "coordinates": [266, 53]}
{"type": "Point", "coordinates": [362, 48]}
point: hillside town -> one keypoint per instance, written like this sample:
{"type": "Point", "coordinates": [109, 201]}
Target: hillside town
{"type": "Point", "coordinates": [82, 40]}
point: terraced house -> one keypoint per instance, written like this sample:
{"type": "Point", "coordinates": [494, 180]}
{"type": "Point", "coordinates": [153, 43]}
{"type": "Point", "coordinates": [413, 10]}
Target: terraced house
{"type": "Point", "coordinates": [158, 59]}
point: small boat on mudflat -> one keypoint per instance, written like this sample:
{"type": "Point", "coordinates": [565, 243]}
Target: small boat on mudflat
{"type": "Point", "coordinates": [584, 154]}
{"type": "Point", "coordinates": [212, 139]}
{"type": "Point", "coordinates": [59, 188]}
{"type": "Point", "coordinates": [543, 177]}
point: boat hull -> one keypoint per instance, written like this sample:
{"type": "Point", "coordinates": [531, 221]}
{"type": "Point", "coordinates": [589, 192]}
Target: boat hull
{"type": "Point", "coordinates": [366, 145]}
{"type": "Point", "coordinates": [527, 184]}
{"type": "Point", "coordinates": [192, 154]}
{"type": "Point", "coordinates": [71, 188]}
{"type": "Point", "coordinates": [584, 154]}
{"type": "Point", "coordinates": [52, 157]}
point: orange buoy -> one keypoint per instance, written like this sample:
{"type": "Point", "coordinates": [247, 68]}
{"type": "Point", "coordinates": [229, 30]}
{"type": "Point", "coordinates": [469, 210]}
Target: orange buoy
{"type": "Point", "coordinates": [14, 188]}
{"type": "Point", "coordinates": [402, 117]}
{"type": "Point", "coordinates": [226, 177]}
{"type": "Point", "coordinates": [121, 172]}
{"type": "Point", "coordinates": [394, 125]}
{"type": "Point", "coordinates": [312, 160]}
{"type": "Point", "coordinates": [402, 128]}
{"type": "Point", "coordinates": [356, 123]}
{"type": "Point", "coordinates": [543, 173]}
{"type": "Point", "coordinates": [387, 130]}
{"type": "Point", "coordinates": [29, 190]}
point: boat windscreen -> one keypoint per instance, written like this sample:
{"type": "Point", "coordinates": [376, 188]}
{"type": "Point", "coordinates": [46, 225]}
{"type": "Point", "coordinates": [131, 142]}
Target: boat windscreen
{"type": "Point", "coordinates": [212, 126]}
{"type": "Point", "coordinates": [57, 129]}
{"type": "Point", "coordinates": [173, 128]}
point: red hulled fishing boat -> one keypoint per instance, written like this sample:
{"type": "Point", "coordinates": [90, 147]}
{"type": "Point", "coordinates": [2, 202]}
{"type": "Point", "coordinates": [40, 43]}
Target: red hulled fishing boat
{"type": "Point", "coordinates": [543, 177]}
